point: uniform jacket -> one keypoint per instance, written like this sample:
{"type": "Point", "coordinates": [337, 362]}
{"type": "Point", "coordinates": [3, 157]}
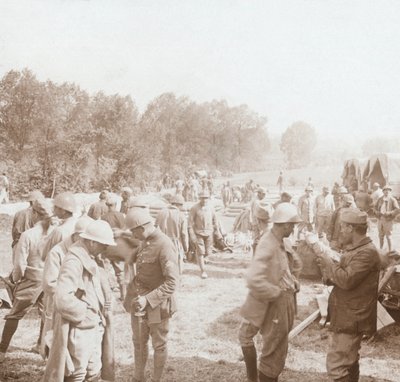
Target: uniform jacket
{"type": "Point", "coordinates": [352, 306]}
{"type": "Point", "coordinates": [82, 300]}
{"type": "Point", "coordinates": [172, 221]}
{"type": "Point", "coordinates": [306, 208]}
{"type": "Point", "coordinates": [22, 221]}
{"type": "Point", "coordinates": [270, 273]}
{"type": "Point", "coordinates": [324, 205]}
{"type": "Point", "coordinates": [202, 220]}
{"type": "Point", "coordinates": [63, 231]}
{"type": "Point", "coordinates": [97, 210]}
{"type": "Point", "coordinates": [157, 276]}
{"type": "Point", "coordinates": [392, 206]}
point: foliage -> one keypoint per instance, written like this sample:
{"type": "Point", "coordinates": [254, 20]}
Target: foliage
{"type": "Point", "coordinates": [297, 144]}
{"type": "Point", "coordinates": [57, 137]}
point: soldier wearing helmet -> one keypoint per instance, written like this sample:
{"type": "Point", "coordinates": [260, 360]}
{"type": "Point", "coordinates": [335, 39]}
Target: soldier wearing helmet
{"type": "Point", "coordinates": [51, 272]}
{"type": "Point", "coordinates": [152, 291]}
{"type": "Point", "coordinates": [116, 220]}
{"type": "Point", "coordinates": [270, 304]}
{"type": "Point", "coordinates": [82, 317]}
{"type": "Point", "coordinates": [172, 221]}
{"type": "Point", "coordinates": [98, 209]}
{"type": "Point", "coordinates": [352, 303]}
{"type": "Point", "coordinates": [23, 219]}
{"type": "Point", "coordinates": [64, 208]}
{"type": "Point", "coordinates": [263, 217]}
{"type": "Point", "coordinates": [203, 226]}
{"type": "Point", "coordinates": [27, 271]}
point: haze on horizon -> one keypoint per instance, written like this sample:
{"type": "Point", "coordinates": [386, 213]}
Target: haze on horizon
{"type": "Point", "coordinates": [332, 64]}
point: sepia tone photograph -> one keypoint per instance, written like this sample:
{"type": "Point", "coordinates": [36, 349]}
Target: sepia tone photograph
{"type": "Point", "coordinates": [199, 191]}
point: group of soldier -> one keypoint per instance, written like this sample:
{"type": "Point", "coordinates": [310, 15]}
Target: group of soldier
{"type": "Point", "coordinates": [60, 263]}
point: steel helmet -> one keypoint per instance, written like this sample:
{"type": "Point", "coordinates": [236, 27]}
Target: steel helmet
{"type": "Point", "coordinates": [99, 231]}
{"type": "Point", "coordinates": [66, 201]}
{"type": "Point", "coordinates": [178, 199]}
{"type": "Point", "coordinates": [43, 207]}
{"type": "Point", "coordinates": [137, 218]}
{"type": "Point", "coordinates": [35, 195]}
{"type": "Point", "coordinates": [138, 201]}
{"type": "Point", "coordinates": [103, 195]}
{"type": "Point", "coordinates": [286, 213]}
{"type": "Point", "coordinates": [82, 223]}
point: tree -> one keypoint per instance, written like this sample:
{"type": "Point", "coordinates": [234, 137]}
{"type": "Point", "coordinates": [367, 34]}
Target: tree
{"type": "Point", "coordinates": [297, 143]}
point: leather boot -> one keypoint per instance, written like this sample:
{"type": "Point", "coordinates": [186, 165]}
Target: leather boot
{"type": "Point", "coordinates": [354, 372]}
{"type": "Point", "coordinates": [250, 359]}
{"type": "Point", "coordinates": [160, 358]}
{"type": "Point", "coordinates": [263, 378]}
{"type": "Point", "coordinates": [140, 363]}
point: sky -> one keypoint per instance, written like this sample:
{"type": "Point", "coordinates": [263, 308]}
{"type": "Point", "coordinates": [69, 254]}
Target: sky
{"type": "Point", "coordinates": [333, 64]}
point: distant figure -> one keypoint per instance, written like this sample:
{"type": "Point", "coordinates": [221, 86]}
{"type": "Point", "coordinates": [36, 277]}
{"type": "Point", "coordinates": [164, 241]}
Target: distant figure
{"type": "Point", "coordinates": [285, 198]}
{"type": "Point", "coordinates": [226, 194]}
{"type": "Point", "coordinates": [4, 186]}
{"type": "Point", "coordinates": [279, 182]}
{"type": "Point", "coordinates": [376, 193]}
{"type": "Point", "coordinates": [306, 210]}
{"type": "Point", "coordinates": [324, 208]}
{"type": "Point", "coordinates": [385, 210]}
{"type": "Point", "coordinates": [126, 193]}
{"type": "Point", "coordinates": [310, 183]}
{"type": "Point", "coordinates": [98, 209]}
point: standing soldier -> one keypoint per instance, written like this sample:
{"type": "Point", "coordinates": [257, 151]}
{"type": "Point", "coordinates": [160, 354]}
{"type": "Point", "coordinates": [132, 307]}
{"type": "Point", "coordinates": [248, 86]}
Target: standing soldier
{"type": "Point", "coordinates": [64, 208]}
{"type": "Point", "coordinates": [347, 201]}
{"type": "Point", "coordinates": [270, 304]}
{"type": "Point", "coordinates": [306, 210]}
{"type": "Point", "coordinates": [279, 182]}
{"type": "Point", "coordinates": [324, 207]}
{"type": "Point", "coordinates": [116, 220]}
{"type": "Point", "coordinates": [226, 194]}
{"type": "Point", "coordinates": [385, 210]}
{"type": "Point", "coordinates": [259, 201]}
{"type": "Point", "coordinates": [203, 226]}
{"type": "Point", "coordinates": [23, 219]}
{"type": "Point", "coordinates": [352, 304]}
{"type": "Point", "coordinates": [376, 194]}
{"type": "Point", "coordinates": [27, 272]}
{"type": "Point", "coordinates": [98, 209]}
{"type": "Point", "coordinates": [126, 193]}
{"type": "Point", "coordinates": [4, 186]}
{"type": "Point", "coordinates": [172, 221]}
{"type": "Point", "coordinates": [82, 348]}
{"type": "Point", "coordinates": [263, 218]}
{"type": "Point", "coordinates": [151, 294]}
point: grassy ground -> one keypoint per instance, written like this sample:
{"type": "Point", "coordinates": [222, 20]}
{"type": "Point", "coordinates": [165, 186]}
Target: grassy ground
{"type": "Point", "coordinates": [203, 343]}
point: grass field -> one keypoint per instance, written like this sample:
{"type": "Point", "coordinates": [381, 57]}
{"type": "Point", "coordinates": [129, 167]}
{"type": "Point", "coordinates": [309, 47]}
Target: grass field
{"type": "Point", "coordinates": [203, 343]}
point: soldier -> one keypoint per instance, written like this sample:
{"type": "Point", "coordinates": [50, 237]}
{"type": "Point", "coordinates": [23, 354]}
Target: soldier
{"type": "Point", "coordinates": [324, 207]}
{"type": "Point", "coordinates": [259, 201]}
{"type": "Point", "coordinates": [23, 219]}
{"type": "Point", "coordinates": [203, 226]}
{"type": "Point", "coordinates": [306, 210]}
{"type": "Point", "coordinates": [126, 193]}
{"type": "Point", "coordinates": [81, 348]}
{"type": "Point", "coordinates": [352, 304]}
{"type": "Point", "coordinates": [172, 221]}
{"type": "Point", "coordinates": [64, 208]}
{"type": "Point", "coordinates": [151, 292]}
{"type": "Point", "coordinates": [270, 303]}
{"type": "Point", "coordinates": [51, 271]}
{"type": "Point", "coordinates": [377, 193]}
{"type": "Point", "coordinates": [116, 220]}
{"type": "Point", "coordinates": [98, 209]}
{"type": "Point", "coordinates": [347, 201]}
{"type": "Point", "coordinates": [27, 271]}
{"type": "Point", "coordinates": [386, 209]}
{"type": "Point", "coordinates": [263, 217]}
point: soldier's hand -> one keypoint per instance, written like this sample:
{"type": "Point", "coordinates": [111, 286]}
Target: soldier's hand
{"type": "Point", "coordinates": [139, 303]}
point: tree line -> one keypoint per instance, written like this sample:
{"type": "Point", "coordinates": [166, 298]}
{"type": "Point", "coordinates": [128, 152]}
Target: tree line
{"type": "Point", "coordinates": [58, 136]}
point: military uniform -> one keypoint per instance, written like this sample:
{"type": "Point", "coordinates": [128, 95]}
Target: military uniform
{"type": "Point", "coordinates": [22, 221]}
{"type": "Point", "coordinates": [352, 304]}
{"type": "Point", "coordinates": [97, 210]}
{"type": "Point", "coordinates": [172, 221]}
{"type": "Point", "coordinates": [270, 303]}
{"type": "Point", "coordinates": [156, 279]}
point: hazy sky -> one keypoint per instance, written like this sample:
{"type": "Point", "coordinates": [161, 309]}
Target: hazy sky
{"type": "Point", "coordinates": [334, 64]}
